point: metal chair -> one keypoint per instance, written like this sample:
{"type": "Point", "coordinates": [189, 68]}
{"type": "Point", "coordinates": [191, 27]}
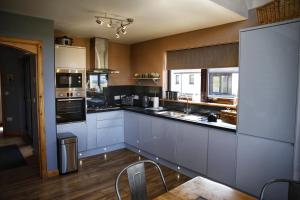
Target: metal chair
{"type": "Point", "coordinates": [293, 188]}
{"type": "Point", "coordinates": [137, 180]}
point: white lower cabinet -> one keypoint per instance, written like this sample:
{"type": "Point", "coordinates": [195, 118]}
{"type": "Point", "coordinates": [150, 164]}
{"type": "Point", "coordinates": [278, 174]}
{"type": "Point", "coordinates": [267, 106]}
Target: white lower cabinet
{"type": "Point", "coordinates": [259, 160]}
{"type": "Point", "coordinates": [91, 120]}
{"type": "Point", "coordinates": [191, 148]}
{"type": "Point", "coordinates": [77, 128]}
{"type": "Point", "coordinates": [146, 139]}
{"type": "Point", "coordinates": [131, 128]}
{"type": "Point", "coordinates": [164, 132]}
{"type": "Point", "coordinates": [222, 156]}
{"type": "Point", "coordinates": [104, 129]}
{"type": "Point", "coordinates": [109, 136]}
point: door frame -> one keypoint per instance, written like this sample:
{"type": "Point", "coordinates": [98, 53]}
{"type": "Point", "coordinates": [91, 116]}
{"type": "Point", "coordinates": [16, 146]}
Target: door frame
{"type": "Point", "coordinates": [35, 47]}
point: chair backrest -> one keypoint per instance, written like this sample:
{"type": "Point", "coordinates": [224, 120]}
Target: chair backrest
{"type": "Point", "coordinates": [293, 191]}
{"type": "Point", "coordinates": [137, 180]}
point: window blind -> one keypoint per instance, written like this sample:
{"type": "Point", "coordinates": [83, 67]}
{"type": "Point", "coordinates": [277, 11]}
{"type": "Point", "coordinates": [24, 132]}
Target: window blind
{"type": "Point", "coordinates": [224, 55]}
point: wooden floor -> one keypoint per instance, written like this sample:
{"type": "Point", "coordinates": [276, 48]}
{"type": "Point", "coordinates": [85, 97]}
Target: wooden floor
{"type": "Point", "coordinates": [20, 173]}
{"type": "Point", "coordinates": [94, 180]}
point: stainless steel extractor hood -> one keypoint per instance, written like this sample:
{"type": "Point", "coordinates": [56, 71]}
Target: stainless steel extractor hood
{"type": "Point", "coordinates": [99, 56]}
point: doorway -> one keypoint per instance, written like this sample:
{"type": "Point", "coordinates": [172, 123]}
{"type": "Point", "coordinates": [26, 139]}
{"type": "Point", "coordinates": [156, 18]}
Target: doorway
{"type": "Point", "coordinates": [29, 97]}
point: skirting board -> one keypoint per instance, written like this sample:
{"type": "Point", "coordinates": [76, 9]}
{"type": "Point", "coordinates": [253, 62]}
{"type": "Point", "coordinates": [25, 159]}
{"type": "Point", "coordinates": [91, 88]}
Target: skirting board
{"type": "Point", "coordinates": [100, 150]}
{"type": "Point", "coordinates": [52, 173]}
{"type": "Point", "coordinates": [164, 162]}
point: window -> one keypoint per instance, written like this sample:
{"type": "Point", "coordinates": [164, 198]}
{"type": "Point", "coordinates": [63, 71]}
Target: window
{"type": "Point", "coordinates": [191, 79]}
{"type": "Point", "coordinates": [223, 82]}
{"type": "Point", "coordinates": [186, 82]}
{"type": "Point", "coordinates": [177, 79]}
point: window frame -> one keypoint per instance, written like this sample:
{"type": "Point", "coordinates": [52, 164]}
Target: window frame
{"type": "Point", "coordinates": [192, 79]}
{"type": "Point", "coordinates": [220, 72]}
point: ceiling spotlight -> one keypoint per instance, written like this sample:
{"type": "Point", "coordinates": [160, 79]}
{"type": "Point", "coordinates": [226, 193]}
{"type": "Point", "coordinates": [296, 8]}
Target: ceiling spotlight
{"type": "Point", "coordinates": [123, 31]}
{"type": "Point", "coordinates": [99, 22]}
{"type": "Point", "coordinates": [119, 24]}
{"type": "Point", "coordinates": [109, 25]}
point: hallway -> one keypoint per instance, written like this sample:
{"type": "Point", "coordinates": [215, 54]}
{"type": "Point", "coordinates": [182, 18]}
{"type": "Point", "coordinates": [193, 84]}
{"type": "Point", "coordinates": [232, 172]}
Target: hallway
{"type": "Point", "coordinates": [30, 169]}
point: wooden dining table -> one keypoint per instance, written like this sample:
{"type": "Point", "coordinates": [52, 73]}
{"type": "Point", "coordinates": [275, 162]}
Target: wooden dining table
{"type": "Point", "coordinates": [200, 188]}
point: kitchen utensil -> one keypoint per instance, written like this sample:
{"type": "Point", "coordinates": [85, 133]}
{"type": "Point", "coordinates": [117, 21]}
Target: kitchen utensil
{"type": "Point", "coordinates": [64, 40]}
{"type": "Point", "coordinates": [212, 117]}
{"type": "Point", "coordinates": [155, 102]}
{"type": "Point", "coordinates": [174, 95]}
{"type": "Point", "coordinates": [145, 101]}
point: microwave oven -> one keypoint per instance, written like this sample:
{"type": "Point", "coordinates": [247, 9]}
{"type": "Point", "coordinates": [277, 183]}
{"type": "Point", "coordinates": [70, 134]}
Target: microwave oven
{"type": "Point", "coordinates": [70, 79]}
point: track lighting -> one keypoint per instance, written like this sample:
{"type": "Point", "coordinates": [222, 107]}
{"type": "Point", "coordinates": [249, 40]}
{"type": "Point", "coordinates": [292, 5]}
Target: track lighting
{"type": "Point", "coordinates": [109, 25]}
{"type": "Point", "coordinates": [115, 21]}
{"type": "Point", "coordinates": [99, 21]}
{"type": "Point", "coordinates": [123, 31]}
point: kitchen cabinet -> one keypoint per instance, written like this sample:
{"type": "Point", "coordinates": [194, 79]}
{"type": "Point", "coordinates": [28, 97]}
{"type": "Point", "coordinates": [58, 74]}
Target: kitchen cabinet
{"type": "Point", "coordinates": [91, 120]}
{"type": "Point", "coordinates": [191, 148]}
{"type": "Point", "coordinates": [131, 128]}
{"type": "Point", "coordinates": [70, 57]}
{"type": "Point", "coordinates": [260, 160]}
{"type": "Point", "coordinates": [104, 129]}
{"type": "Point", "coordinates": [164, 132]}
{"type": "Point", "coordinates": [268, 78]}
{"type": "Point", "coordinates": [77, 128]}
{"type": "Point", "coordinates": [109, 136]}
{"type": "Point", "coordinates": [222, 156]}
{"type": "Point", "coordinates": [146, 137]}
{"type": "Point", "coordinates": [268, 90]}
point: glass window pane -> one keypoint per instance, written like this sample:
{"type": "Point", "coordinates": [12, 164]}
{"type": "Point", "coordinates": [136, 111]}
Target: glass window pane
{"type": "Point", "coordinates": [223, 82]}
{"type": "Point", "coordinates": [216, 84]}
{"type": "Point", "coordinates": [187, 83]}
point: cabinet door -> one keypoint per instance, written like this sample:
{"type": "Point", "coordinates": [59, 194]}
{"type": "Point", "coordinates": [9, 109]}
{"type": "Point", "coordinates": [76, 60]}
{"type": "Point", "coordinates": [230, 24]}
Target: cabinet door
{"type": "Point", "coordinates": [91, 120]}
{"type": "Point", "coordinates": [268, 82]}
{"type": "Point", "coordinates": [222, 156]}
{"type": "Point", "coordinates": [70, 57]}
{"type": "Point", "coordinates": [165, 135]}
{"type": "Point", "coordinates": [131, 128]}
{"type": "Point", "coordinates": [79, 129]}
{"type": "Point", "coordinates": [260, 160]}
{"type": "Point", "coordinates": [145, 133]}
{"type": "Point", "coordinates": [192, 147]}
{"type": "Point", "coordinates": [109, 136]}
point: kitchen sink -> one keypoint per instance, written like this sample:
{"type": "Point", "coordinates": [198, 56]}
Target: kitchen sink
{"type": "Point", "coordinates": [181, 115]}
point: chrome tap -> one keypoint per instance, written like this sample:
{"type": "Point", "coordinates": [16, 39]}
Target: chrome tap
{"type": "Point", "coordinates": [187, 110]}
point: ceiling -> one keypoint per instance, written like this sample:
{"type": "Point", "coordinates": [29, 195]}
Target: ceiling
{"type": "Point", "coordinates": [152, 18]}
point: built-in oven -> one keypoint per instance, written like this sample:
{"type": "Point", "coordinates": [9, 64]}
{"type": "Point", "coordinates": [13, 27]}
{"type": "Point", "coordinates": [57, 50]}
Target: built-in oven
{"type": "Point", "coordinates": [70, 95]}
{"type": "Point", "coordinates": [70, 109]}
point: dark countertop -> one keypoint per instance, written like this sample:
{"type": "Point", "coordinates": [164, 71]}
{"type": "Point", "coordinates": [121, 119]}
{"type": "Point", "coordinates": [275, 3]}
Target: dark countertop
{"type": "Point", "coordinates": [218, 125]}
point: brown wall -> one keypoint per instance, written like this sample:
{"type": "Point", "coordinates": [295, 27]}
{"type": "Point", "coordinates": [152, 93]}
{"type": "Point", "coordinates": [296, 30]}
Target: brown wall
{"type": "Point", "coordinates": [118, 58]}
{"type": "Point", "coordinates": [149, 56]}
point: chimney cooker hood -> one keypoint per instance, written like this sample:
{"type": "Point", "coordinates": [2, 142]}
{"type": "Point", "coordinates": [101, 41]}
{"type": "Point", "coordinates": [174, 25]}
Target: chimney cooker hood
{"type": "Point", "coordinates": [99, 57]}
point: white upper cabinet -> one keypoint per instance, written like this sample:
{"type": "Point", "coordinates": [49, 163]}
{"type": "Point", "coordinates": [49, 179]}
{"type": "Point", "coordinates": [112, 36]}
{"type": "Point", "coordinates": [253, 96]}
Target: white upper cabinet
{"type": "Point", "coordinates": [269, 59]}
{"type": "Point", "coordinates": [70, 57]}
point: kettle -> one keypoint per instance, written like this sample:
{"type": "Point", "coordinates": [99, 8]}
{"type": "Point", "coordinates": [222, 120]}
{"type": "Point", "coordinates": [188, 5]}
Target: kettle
{"type": "Point", "coordinates": [212, 117]}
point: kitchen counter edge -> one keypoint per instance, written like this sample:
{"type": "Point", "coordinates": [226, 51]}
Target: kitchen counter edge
{"type": "Point", "coordinates": [224, 126]}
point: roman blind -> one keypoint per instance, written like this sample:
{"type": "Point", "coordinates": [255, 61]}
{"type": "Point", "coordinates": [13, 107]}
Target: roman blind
{"type": "Point", "coordinates": [224, 55]}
